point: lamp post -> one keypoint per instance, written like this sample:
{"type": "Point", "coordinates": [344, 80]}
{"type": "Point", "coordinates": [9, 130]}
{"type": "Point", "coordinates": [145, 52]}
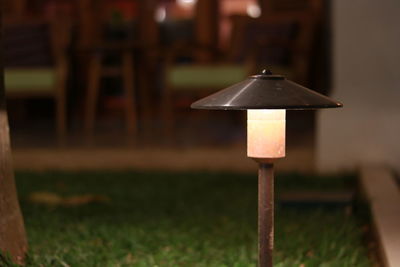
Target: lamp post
{"type": "Point", "coordinates": [266, 97]}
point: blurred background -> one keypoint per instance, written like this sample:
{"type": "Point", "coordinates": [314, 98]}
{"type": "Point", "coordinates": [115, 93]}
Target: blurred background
{"type": "Point", "coordinates": [98, 87]}
{"type": "Point", "coordinates": [119, 76]}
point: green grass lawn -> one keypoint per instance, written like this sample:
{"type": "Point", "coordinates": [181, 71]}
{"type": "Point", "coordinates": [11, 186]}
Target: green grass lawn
{"type": "Point", "coordinates": [182, 219]}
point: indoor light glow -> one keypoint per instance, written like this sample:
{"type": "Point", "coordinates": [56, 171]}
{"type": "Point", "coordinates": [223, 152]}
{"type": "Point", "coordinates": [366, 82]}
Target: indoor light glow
{"type": "Point", "coordinates": [266, 133]}
{"type": "Point", "coordinates": [160, 14]}
{"type": "Point", "coordinates": [253, 10]}
{"type": "Point", "coordinates": [186, 3]}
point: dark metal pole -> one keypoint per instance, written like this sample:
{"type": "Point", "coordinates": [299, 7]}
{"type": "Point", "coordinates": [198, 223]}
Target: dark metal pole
{"type": "Point", "coordinates": [265, 214]}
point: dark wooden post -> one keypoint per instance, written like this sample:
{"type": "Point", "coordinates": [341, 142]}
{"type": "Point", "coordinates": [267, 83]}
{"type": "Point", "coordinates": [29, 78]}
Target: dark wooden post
{"type": "Point", "coordinates": [148, 28]}
{"type": "Point", "coordinates": [206, 27]}
{"type": "Point", "coordinates": [89, 13]}
{"type": "Point", "coordinates": [150, 55]}
{"type": "Point", "coordinates": [12, 231]}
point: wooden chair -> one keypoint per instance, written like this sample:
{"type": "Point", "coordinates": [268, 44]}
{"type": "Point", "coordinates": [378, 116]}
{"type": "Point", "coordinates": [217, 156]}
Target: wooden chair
{"type": "Point", "coordinates": [185, 82]}
{"type": "Point", "coordinates": [311, 13]}
{"type": "Point", "coordinates": [97, 44]}
{"type": "Point", "coordinates": [281, 43]}
{"type": "Point", "coordinates": [98, 70]}
{"type": "Point", "coordinates": [275, 42]}
{"type": "Point", "coordinates": [37, 65]}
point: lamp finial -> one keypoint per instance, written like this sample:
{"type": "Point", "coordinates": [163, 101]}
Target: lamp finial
{"type": "Point", "coordinates": [266, 72]}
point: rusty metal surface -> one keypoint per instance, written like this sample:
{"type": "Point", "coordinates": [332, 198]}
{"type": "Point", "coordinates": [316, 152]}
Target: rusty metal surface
{"type": "Point", "coordinates": [265, 214]}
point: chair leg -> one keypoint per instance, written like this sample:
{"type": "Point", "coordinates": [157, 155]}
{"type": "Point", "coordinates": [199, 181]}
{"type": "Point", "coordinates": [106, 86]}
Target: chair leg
{"type": "Point", "coordinates": [144, 87]}
{"type": "Point", "coordinates": [92, 94]}
{"type": "Point", "coordinates": [60, 105]}
{"type": "Point", "coordinates": [130, 99]}
{"type": "Point", "coordinates": [61, 118]}
{"type": "Point", "coordinates": [168, 115]}
{"type": "Point", "coordinates": [144, 106]}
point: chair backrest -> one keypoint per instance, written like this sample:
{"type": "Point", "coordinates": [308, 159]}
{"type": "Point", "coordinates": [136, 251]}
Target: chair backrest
{"type": "Point", "coordinates": [275, 37]}
{"type": "Point", "coordinates": [293, 7]}
{"type": "Point", "coordinates": [283, 41]}
{"type": "Point", "coordinates": [35, 56]}
{"type": "Point", "coordinates": [176, 31]}
{"type": "Point", "coordinates": [28, 44]}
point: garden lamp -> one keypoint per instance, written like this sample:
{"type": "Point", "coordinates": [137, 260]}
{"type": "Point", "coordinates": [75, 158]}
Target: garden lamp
{"type": "Point", "coordinates": [266, 97]}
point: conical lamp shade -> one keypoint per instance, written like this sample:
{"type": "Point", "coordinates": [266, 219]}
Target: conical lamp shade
{"type": "Point", "coordinates": [265, 91]}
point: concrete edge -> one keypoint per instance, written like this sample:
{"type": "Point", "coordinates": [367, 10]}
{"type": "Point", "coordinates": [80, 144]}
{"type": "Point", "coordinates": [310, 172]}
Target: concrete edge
{"type": "Point", "coordinates": [232, 159]}
{"type": "Point", "coordinates": [383, 194]}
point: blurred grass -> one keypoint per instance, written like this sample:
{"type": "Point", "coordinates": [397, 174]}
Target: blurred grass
{"type": "Point", "coordinates": [182, 219]}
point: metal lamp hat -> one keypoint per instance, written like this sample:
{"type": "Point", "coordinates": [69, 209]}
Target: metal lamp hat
{"type": "Point", "coordinates": [265, 91]}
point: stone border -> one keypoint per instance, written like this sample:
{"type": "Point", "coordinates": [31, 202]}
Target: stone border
{"type": "Point", "coordinates": [383, 194]}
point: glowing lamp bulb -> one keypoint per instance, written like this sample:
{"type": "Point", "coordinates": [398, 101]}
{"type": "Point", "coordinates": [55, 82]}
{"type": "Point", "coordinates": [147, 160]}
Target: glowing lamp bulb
{"type": "Point", "coordinates": [266, 133]}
